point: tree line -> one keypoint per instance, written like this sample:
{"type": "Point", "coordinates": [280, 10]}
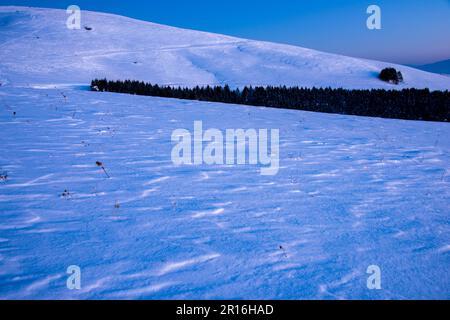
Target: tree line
{"type": "Point", "coordinates": [409, 104]}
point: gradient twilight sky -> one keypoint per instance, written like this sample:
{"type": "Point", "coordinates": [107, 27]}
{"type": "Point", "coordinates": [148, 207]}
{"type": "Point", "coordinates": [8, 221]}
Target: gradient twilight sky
{"type": "Point", "coordinates": [413, 31]}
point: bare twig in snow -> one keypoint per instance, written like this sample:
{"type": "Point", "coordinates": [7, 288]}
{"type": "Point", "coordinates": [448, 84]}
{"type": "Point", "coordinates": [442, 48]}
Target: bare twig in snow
{"type": "Point", "coordinates": [284, 251]}
{"type": "Point", "coordinates": [100, 164]}
{"type": "Point", "coordinates": [4, 176]}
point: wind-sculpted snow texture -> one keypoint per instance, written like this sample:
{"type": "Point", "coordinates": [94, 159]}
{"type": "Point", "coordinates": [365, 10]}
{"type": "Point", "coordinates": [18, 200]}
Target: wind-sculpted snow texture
{"type": "Point", "coordinates": [351, 191]}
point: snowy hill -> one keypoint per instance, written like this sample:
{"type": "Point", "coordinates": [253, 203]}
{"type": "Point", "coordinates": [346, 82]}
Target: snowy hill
{"type": "Point", "coordinates": [441, 67]}
{"type": "Point", "coordinates": [119, 48]}
{"type": "Point", "coordinates": [350, 192]}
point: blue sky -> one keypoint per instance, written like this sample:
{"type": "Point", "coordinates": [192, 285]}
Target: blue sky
{"type": "Point", "coordinates": [413, 31]}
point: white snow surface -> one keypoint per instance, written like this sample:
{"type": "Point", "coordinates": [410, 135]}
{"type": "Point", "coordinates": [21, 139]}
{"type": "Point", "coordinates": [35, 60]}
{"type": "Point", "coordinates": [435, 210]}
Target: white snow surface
{"type": "Point", "coordinates": [122, 48]}
{"type": "Point", "coordinates": [351, 191]}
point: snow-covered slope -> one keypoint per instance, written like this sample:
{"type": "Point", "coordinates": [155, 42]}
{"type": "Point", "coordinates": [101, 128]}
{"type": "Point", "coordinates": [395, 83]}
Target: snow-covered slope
{"type": "Point", "coordinates": [351, 191]}
{"type": "Point", "coordinates": [36, 48]}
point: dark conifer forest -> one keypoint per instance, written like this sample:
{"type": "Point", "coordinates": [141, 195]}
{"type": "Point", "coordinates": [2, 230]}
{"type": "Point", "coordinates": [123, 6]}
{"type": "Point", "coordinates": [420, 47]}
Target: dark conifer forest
{"type": "Point", "coordinates": [409, 104]}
